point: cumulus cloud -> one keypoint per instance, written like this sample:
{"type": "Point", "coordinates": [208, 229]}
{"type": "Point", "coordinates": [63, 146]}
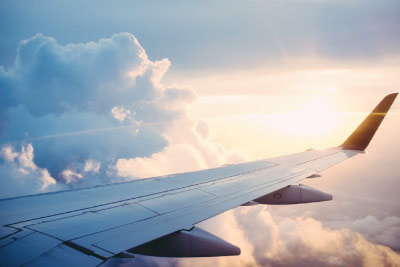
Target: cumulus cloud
{"type": "Point", "coordinates": [20, 175]}
{"type": "Point", "coordinates": [120, 113]}
{"type": "Point", "coordinates": [376, 221]}
{"type": "Point", "coordinates": [384, 231]}
{"type": "Point", "coordinates": [172, 159]}
{"type": "Point", "coordinates": [297, 241]}
{"type": "Point", "coordinates": [306, 241]}
{"type": "Point", "coordinates": [91, 166]}
{"type": "Point", "coordinates": [97, 112]}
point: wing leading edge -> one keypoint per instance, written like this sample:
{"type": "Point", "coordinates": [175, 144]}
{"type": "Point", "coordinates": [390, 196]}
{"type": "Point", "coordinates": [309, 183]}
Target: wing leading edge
{"type": "Point", "coordinates": [155, 215]}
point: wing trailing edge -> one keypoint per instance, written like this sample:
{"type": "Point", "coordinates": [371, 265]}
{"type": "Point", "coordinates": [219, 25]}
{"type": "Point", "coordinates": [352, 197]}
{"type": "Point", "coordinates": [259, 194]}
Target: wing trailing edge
{"type": "Point", "coordinates": [361, 137]}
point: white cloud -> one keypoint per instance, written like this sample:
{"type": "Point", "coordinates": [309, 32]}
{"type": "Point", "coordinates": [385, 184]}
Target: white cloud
{"type": "Point", "coordinates": [299, 241]}
{"type": "Point", "coordinates": [172, 159]}
{"type": "Point", "coordinates": [188, 150]}
{"type": "Point", "coordinates": [8, 153]}
{"type": "Point", "coordinates": [120, 113]}
{"type": "Point", "coordinates": [70, 176]}
{"type": "Point", "coordinates": [92, 166]}
{"type": "Point", "coordinates": [20, 175]}
{"type": "Point", "coordinates": [384, 231]}
{"type": "Point", "coordinates": [304, 239]}
{"type": "Point", "coordinates": [93, 110]}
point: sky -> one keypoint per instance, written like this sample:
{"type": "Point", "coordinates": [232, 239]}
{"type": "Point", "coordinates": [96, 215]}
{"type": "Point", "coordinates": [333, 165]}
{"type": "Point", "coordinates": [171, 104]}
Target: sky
{"type": "Point", "coordinates": [99, 92]}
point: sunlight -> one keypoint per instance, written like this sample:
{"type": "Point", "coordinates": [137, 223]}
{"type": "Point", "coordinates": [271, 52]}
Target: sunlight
{"type": "Point", "coordinates": [331, 89]}
{"type": "Point", "coordinates": [316, 117]}
{"type": "Point", "coordinates": [288, 111]}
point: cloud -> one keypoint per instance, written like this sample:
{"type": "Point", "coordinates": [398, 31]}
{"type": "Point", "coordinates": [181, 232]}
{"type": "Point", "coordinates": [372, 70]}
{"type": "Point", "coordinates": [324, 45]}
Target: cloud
{"type": "Point", "coordinates": [268, 32]}
{"type": "Point", "coordinates": [20, 175]}
{"type": "Point", "coordinates": [297, 241]}
{"type": "Point", "coordinates": [172, 159]}
{"type": "Point", "coordinates": [384, 231]}
{"type": "Point", "coordinates": [120, 113]}
{"type": "Point", "coordinates": [308, 242]}
{"type": "Point", "coordinates": [91, 166]}
{"type": "Point", "coordinates": [97, 112]}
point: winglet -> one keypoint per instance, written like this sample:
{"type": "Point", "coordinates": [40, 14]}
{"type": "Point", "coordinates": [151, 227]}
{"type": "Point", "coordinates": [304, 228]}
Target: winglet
{"type": "Point", "coordinates": [361, 137]}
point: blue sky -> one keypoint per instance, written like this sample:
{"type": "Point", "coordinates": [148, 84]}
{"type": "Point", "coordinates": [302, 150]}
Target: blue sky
{"type": "Point", "coordinates": [98, 91]}
{"type": "Point", "coordinates": [249, 33]}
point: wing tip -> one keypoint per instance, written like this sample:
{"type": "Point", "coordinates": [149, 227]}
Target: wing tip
{"type": "Point", "coordinates": [362, 135]}
{"type": "Point", "coordinates": [390, 97]}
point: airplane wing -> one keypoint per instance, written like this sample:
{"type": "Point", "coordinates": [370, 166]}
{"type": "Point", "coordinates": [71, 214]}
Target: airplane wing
{"type": "Point", "coordinates": [156, 216]}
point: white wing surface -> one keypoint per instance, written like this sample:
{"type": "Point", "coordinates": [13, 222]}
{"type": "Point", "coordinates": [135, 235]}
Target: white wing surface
{"type": "Point", "coordinates": [156, 216]}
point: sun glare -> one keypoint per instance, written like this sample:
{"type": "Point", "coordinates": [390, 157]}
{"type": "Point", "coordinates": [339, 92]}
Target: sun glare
{"type": "Point", "coordinates": [316, 117]}
{"type": "Point", "coordinates": [331, 89]}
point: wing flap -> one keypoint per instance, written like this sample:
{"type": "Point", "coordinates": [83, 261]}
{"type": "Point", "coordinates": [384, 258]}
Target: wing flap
{"type": "Point", "coordinates": [26, 248]}
{"type": "Point", "coordinates": [63, 255]}
{"type": "Point", "coordinates": [176, 201]}
{"type": "Point", "coordinates": [93, 221]}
